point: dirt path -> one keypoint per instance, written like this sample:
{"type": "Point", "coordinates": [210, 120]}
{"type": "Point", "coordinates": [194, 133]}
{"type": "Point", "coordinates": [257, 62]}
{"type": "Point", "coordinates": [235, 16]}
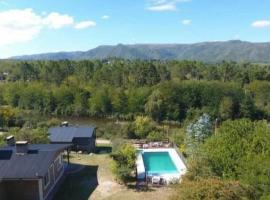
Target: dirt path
{"type": "Point", "coordinates": [107, 186]}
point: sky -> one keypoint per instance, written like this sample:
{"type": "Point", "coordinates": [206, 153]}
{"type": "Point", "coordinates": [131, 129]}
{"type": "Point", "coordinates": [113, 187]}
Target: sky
{"type": "Point", "coordinates": [39, 26]}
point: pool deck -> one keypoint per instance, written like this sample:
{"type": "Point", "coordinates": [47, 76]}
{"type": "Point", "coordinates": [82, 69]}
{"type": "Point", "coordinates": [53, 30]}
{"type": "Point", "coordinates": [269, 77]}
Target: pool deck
{"type": "Point", "coordinates": [178, 162]}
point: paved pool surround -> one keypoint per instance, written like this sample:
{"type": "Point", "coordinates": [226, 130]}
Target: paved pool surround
{"type": "Point", "coordinates": [169, 172]}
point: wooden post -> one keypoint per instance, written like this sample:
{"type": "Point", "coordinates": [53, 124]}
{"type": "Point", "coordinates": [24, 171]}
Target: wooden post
{"type": "Point", "coordinates": [40, 189]}
{"type": "Point", "coordinates": [68, 155]}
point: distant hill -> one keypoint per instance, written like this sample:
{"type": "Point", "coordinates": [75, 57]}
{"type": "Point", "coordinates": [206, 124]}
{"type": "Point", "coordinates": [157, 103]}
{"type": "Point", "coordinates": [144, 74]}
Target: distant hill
{"type": "Point", "coordinates": [234, 50]}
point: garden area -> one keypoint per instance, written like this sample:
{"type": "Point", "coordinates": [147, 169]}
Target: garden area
{"type": "Point", "coordinates": [96, 181]}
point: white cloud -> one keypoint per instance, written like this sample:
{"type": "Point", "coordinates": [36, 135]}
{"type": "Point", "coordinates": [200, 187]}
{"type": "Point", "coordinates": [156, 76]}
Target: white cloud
{"type": "Point", "coordinates": [261, 24]}
{"type": "Point", "coordinates": [18, 26]}
{"type": "Point", "coordinates": [85, 24]}
{"type": "Point", "coordinates": [186, 22]}
{"type": "Point", "coordinates": [55, 20]}
{"type": "Point", "coordinates": [105, 17]}
{"type": "Point", "coordinates": [164, 5]}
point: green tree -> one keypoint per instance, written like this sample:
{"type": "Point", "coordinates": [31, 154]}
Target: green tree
{"type": "Point", "coordinates": [85, 70]}
{"type": "Point", "coordinates": [241, 150]}
{"type": "Point", "coordinates": [247, 107]}
{"type": "Point", "coordinates": [124, 162]}
{"type": "Point", "coordinates": [7, 116]}
{"type": "Point", "coordinates": [226, 108]}
{"type": "Point", "coordinates": [119, 101]}
{"type": "Point", "coordinates": [136, 99]}
{"type": "Point", "coordinates": [146, 74]}
{"type": "Point", "coordinates": [81, 102]}
{"type": "Point", "coordinates": [143, 126]}
{"type": "Point", "coordinates": [100, 102]}
{"type": "Point", "coordinates": [155, 106]}
{"type": "Point", "coordinates": [201, 129]}
{"type": "Point", "coordinates": [260, 91]}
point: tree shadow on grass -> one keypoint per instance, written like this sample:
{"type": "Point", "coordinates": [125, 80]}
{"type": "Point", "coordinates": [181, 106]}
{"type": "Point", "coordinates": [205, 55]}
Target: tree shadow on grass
{"type": "Point", "coordinates": [134, 187]}
{"type": "Point", "coordinates": [79, 185]}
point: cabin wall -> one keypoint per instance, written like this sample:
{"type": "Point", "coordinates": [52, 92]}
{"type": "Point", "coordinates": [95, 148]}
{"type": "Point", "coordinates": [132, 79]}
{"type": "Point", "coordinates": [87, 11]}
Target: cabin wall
{"type": "Point", "coordinates": [20, 190]}
{"type": "Point", "coordinates": [84, 144]}
{"type": "Point", "coordinates": [55, 171]}
{"type": "Point", "coordinates": [58, 167]}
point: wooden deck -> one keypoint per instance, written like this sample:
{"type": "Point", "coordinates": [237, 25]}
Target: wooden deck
{"type": "Point", "coordinates": [143, 144]}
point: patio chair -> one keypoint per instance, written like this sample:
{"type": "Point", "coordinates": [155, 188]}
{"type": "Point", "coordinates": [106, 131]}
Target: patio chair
{"type": "Point", "coordinates": [145, 146]}
{"type": "Point", "coordinates": [155, 180]}
{"type": "Point", "coordinates": [163, 181]}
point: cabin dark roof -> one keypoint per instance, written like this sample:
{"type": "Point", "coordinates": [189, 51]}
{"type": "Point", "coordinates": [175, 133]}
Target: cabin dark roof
{"type": "Point", "coordinates": [28, 166]}
{"type": "Point", "coordinates": [67, 134]}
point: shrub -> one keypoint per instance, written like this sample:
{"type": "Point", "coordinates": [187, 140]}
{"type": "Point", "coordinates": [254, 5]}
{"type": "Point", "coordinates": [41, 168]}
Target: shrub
{"type": "Point", "coordinates": [143, 126]}
{"type": "Point", "coordinates": [124, 162]}
{"type": "Point", "coordinates": [212, 189]}
{"type": "Point", "coordinates": [155, 136]}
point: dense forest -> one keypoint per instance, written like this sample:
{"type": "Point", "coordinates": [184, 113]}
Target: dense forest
{"type": "Point", "coordinates": [166, 91]}
{"type": "Point", "coordinates": [222, 113]}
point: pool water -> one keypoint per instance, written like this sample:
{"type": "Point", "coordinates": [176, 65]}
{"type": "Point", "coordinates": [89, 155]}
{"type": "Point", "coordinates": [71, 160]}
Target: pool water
{"type": "Point", "coordinates": [158, 163]}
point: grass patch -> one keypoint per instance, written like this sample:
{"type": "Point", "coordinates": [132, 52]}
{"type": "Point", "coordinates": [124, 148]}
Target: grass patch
{"type": "Point", "coordinates": [80, 185]}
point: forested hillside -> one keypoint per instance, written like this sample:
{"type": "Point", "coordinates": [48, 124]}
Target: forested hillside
{"type": "Point", "coordinates": [207, 51]}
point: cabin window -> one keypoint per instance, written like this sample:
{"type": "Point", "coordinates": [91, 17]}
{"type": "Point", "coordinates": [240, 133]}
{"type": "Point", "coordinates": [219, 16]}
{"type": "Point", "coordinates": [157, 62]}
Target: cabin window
{"type": "Point", "coordinates": [59, 162]}
{"type": "Point", "coordinates": [47, 179]}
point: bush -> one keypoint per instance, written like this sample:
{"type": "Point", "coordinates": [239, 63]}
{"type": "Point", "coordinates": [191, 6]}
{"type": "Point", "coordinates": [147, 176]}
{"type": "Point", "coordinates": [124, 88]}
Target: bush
{"type": "Point", "coordinates": [124, 162]}
{"type": "Point", "coordinates": [33, 136]}
{"type": "Point", "coordinates": [2, 141]}
{"type": "Point", "coordinates": [178, 136]}
{"type": "Point", "coordinates": [140, 128]}
{"type": "Point", "coordinates": [127, 131]}
{"type": "Point", "coordinates": [212, 189]}
{"type": "Point", "coordinates": [143, 126]}
{"type": "Point", "coordinates": [155, 136]}
{"type": "Point", "coordinates": [199, 168]}
{"type": "Point", "coordinates": [240, 150]}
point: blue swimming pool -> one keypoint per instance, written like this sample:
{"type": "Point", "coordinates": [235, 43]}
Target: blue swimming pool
{"type": "Point", "coordinates": [158, 163]}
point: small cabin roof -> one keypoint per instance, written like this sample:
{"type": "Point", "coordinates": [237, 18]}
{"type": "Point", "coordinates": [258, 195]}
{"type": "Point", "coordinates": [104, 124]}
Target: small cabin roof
{"type": "Point", "coordinates": [66, 134]}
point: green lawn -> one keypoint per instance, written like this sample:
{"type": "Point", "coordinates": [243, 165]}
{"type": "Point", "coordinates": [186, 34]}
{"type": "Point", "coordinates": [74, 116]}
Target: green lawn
{"type": "Point", "coordinates": [79, 186]}
{"type": "Point", "coordinates": [95, 181]}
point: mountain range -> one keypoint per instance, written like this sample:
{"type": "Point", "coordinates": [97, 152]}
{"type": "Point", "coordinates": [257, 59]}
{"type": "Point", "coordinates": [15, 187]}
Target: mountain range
{"type": "Point", "coordinates": [234, 50]}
